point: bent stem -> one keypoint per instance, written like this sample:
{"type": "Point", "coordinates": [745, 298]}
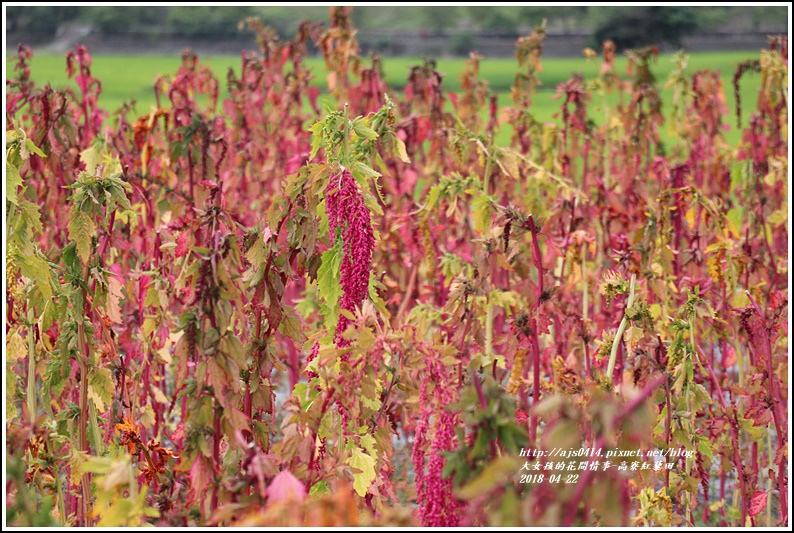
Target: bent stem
{"type": "Point", "coordinates": [619, 335]}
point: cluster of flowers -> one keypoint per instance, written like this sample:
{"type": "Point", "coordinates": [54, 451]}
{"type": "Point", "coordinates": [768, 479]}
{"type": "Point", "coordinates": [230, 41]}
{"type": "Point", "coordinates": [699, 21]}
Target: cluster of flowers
{"type": "Point", "coordinates": [438, 507]}
{"type": "Point", "coordinates": [346, 210]}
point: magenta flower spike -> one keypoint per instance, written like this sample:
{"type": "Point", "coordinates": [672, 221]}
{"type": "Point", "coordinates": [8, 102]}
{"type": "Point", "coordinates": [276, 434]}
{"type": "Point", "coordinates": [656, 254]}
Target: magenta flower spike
{"type": "Point", "coordinates": [346, 211]}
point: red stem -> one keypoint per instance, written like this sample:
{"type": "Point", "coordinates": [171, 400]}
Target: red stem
{"type": "Point", "coordinates": [733, 422]}
{"type": "Point", "coordinates": [778, 417]}
{"type": "Point", "coordinates": [533, 427]}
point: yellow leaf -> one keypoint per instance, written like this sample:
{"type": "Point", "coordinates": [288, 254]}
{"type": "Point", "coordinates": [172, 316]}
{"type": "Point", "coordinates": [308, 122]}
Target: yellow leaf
{"type": "Point", "coordinates": [15, 347]}
{"type": "Point", "coordinates": [149, 325]}
{"type": "Point", "coordinates": [401, 152]}
{"type": "Point", "coordinates": [365, 465]}
{"type": "Point", "coordinates": [92, 157]}
{"type": "Point", "coordinates": [100, 387]}
{"type": "Point", "coordinates": [368, 442]}
{"type": "Point", "coordinates": [778, 217]}
{"type": "Point", "coordinates": [481, 213]}
{"type": "Point", "coordinates": [164, 355]}
{"type": "Point", "coordinates": [510, 164]}
{"type": "Point", "coordinates": [76, 462]}
{"type": "Point", "coordinates": [633, 335]}
{"type": "Point", "coordinates": [655, 310]}
{"type": "Point", "coordinates": [146, 416]}
{"type": "Point", "coordinates": [158, 394]}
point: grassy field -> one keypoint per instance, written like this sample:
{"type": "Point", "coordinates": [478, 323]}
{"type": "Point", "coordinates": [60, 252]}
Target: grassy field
{"type": "Point", "coordinates": [131, 77]}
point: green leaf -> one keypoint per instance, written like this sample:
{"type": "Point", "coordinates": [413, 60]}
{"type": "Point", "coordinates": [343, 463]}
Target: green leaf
{"type": "Point", "coordinates": [373, 206]}
{"type": "Point", "coordinates": [362, 130]}
{"type": "Point", "coordinates": [495, 474]}
{"type": "Point", "coordinates": [56, 372]}
{"type": "Point", "coordinates": [100, 387]}
{"type": "Point", "coordinates": [433, 196]}
{"type": "Point", "coordinates": [204, 446]}
{"type": "Point", "coordinates": [33, 148]}
{"type": "Point", "coordinates": [13, 181]}
{"type": "Point", "coordinates": [328, 107]}
{"type": "Point", "coordinates": [365, 170]}
{"type": "Point", "coordinates": [118, 193]}
{"type": "Point", "coordinates": [734, 219]}
{"type": "Point", "coordinates": [291, 326]}
{"type": "Point", "coordinates": [31, 214]}
{"type": "Point", "coordinates": [13, 136]}
{"type": "Point", "coordinates": [81, 230]}
{"type": "Point", "coordinates": [377, 301]}
{"type": "Point", "coordinates": [37, 269]}
{"type": "Point", "coordinates": [231, 346]}
{"type": "Point", "coordinates": [328, 275]}
{"type": "Point", "coordinates": [321, 488]}
{"type": "Point", "coordinates": [257, 254]}
{"type": "Point", "coordinates": [317, 138]}
{"type": "Point", "coordinates": [704, 447]}
{"type": "Point", "coordinates": [92, 465]}
{"type": "Point", "coordinates": [366, 475]}
{"type": "Point", "coordinates": [701, 395]}
{"type": "Point", "coordinates": [300, 393]}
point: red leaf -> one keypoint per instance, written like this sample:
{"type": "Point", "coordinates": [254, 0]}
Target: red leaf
{"type": "Point", "coordinates": [454, 99]}
{"type": "Point", "coordinates": [285, 486]}
{"type": "Point", "coordinates": [408, 182]}
{"type": "Point", "coordinates": [758, 503]}
{"type": "Point", "coordinates": [730, 356]}
{"type": "Point", "coordinates": [543, 322]}
{"type": "Point", "coordinates": [81, 82]}
{"type": "Point", "coordinates": [182, 244]}
{"type": "Point", "coordinates": [296, 161]}
{"type": "Point", "coordinates": [759, 414]}
{"type": "Point", "coordinates": [209, 184]}
{"type": "Point", "coordinates": [199, 476]}
{"type": "Point", "coordinates": [178, 434]}
{"type": "Point", "coordinates": [313, 93]}
{"type": "Point", "coordinates": [268, 234]}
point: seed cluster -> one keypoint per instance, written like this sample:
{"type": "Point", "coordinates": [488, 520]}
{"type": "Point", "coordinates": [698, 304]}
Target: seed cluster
{"type": "Point", "coordinates": [347, 212]}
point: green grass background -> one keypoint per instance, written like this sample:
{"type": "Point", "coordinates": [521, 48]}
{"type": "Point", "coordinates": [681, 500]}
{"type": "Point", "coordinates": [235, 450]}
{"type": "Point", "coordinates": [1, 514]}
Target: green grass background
{"type": "Point", "coordinates": [132, 77]}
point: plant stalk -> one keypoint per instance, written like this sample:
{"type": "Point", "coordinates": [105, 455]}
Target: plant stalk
{"type": "Point", "coordinates": [619, 335]}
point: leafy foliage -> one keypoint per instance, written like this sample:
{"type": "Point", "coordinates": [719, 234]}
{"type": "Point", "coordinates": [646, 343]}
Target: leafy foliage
{"type": "Point", "coordinates": [257, 312]}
